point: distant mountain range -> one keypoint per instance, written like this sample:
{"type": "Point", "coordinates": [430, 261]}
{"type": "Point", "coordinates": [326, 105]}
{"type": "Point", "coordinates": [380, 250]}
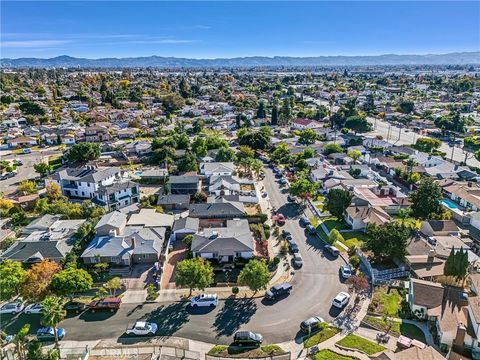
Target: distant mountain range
{"type": "Point", "coordinates": [459, 58]}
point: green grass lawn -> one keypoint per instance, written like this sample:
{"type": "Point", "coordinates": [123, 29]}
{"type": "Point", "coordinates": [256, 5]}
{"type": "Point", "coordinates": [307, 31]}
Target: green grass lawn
{"type": "Point", "coordinates": [320, 336]}
{"type": "Point", "coordinates": [352, 341]}
{"type": "Point", "coordinates": [354, 238]}
{"type": "Point", "coordinates": [397, 328]}
{"type": "Point", "coordinates": [331, 223]}
{"type": "Point", "coordinates": [245, 352]}
{"type": "Point", "coordinates": [386, 303]}
{"type": "Point", "coordinates": [330, 355]}
{"type": "Point", "coordinates": [320, 231]}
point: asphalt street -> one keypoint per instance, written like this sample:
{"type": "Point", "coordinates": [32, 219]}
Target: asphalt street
{"type": "Point", "coordinates": [403, 136]}
{"type": "Point", "coordinates": [314, 287]}
{"type": "Point", "coordinates": [25, 171]}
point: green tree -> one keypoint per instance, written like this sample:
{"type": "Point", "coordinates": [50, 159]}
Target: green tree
{"type": "Point", "coordinates": [42, 168]}
{"type": "Point", "coordinates": [31, 108]}
{"type": "Point", "coordinates": [187, 163]}
{"type": "Point", "coordinates": [83, 152]}
{"type": "Point", "coordinates": [245, 151]}
{"type": "Point", "coordinates": [426, 199]}
{"type": "Point", "coordinates": [20, 339]}
{"type": "Point", "coordinates": [187, 240]}
{"type": "Point", "coordinates": [332, 148]}
{"type": "Point", "coordinates": [337, 202]}
{"type": "Point", "coordinates": [113, 285]}
{"type": "Point", "coordinates": [71, 280]}
{"type": "Point", "coordinates": [199, 147]}
{"type": "Point", "coordinates": [53, 313]}
{"type": "Point", "coordinates": [281, 154]}
{"type": "Point", "coordinates": [303, 188]}
{"type": "Point", "coordinates": [12, 276]}
{"type": "Point", "coordinates": [226, 155]}
{"type": "Point", "coordinates": [27, 187]}
{"type": "Point", "coordinates": [427, 144]}
{"type": "Point", "coordinates": [335, 236]}
{"type": "Point", "coordinates": [256, 139]}
{"type": "Point", "coordinates": [194, 273]}
{"type": "Point", "coordinates": [261, 111]}
{"type": "Point", "coordinates": [354, 154]}
{"type": "Point", "coordinates": [307, 137]}
{"type": "Point", "coordinates": [255, 275]}
{"type": "Point", "coordinates": [274, 115]}
{"type": "Point", "coordinates": [387, 241]}
{"type": "Point", "coordinates": [457, 264]}
{"type": "Point", "coordinates": [357, 124]}
{"type": "Point", "coordinates": [172, 102]}
{"type": "Point", "coordinates": [406, 106]}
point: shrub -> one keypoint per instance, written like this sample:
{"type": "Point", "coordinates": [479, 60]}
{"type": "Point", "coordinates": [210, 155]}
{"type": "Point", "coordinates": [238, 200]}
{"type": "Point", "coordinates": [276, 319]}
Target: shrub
{"type": "Point", "coordinates": [354, 261]}
{"type": "Point", "coordinates": [152, 293]}
{"type": "Point", "coordinates": [235, 290]}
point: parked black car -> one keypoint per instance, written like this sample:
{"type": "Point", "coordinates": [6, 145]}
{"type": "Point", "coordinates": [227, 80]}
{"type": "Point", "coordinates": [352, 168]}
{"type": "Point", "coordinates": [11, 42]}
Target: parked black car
{"type": "Point", "coordinates": [75, 306]}
{"type": "Point", "coordinates": [278, 290]}
{"type": "Point", "coordinates": [247, 338]}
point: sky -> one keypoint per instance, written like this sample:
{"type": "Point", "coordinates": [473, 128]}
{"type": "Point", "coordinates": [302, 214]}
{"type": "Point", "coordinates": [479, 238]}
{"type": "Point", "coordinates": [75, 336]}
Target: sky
{"type": "Point", "coordinates": [199, 29]}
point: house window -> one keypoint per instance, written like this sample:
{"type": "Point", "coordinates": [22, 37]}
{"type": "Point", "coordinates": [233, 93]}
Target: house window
{"type": "Point", "coordinates": [238, 254]}
{"type": "Point", "coordinates": [134, 191]}
{"type": "Point", "coordinates": [83, 194]}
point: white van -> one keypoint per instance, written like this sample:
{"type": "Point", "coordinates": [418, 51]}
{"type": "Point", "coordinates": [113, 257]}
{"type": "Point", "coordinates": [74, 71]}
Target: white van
{"type": "Point", "coordinates": [204, 300]}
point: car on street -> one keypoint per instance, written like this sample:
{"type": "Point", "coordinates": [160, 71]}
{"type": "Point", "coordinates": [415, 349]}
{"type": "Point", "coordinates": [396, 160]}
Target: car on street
{"type": "Point", "coordinates": [283, 181]}
{"type": "Point", "coordinates": [264, 194]}
{"type": "Point", "coordinates": [304, 221]}
{"type": "Point", "coordinates": [11, 308]}
{"type": "Point", "coordinates": [248, 338]}
{"type": "Point", "coordinates": [341, 300]}
{"type": "Point", "coordinates": [293, 246]}
{"type": "Point", "coordinates": [277, 291]}
{"type": "Point", "coordinates": [111, 303]}
{"type": "Point", "coordinates": [210, 300]}
{"type": "Point", "coordinates": [286, 234]}
{"type": "Point", "coordinates": [33, 309]}
{"type": "Point", "coordinates": [75, 306]}
{"type": "Point", "coordinates": [311, 324]}
{"type": "Point", "coordinates": [48, 334]}
{"type": "Point", "coordinates": [278, 175]}
{"type": "Point", "coordinates": [18, 162]}
{"type": "Point", "coordinates": [297, 261]}
{"type": "Point", "coordinates": [291, 199]}
{"type": "Point", "coordinates": [332, 250]}
{"type": "Point", "coordinates": [27, 151]}
{"type": "Point", "coordinates": [345, 271]}
{"type": "Point", "coordinates": [142, 328]}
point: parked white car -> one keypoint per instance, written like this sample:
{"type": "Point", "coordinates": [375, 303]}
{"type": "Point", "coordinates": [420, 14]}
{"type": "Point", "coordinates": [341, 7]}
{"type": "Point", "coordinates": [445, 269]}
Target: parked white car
{"type": "Point", "coordinates": [346, 271]}
{"type": "Point", "coordinates": [33, 309]}
{"type": "Point", "coordinates": [11, 308]}
{"type": "Point", "coordinates": [341, 300]}
{"type": "Point", "coordinates": [204, 300]}
{"type": "Point", "coordinates": [142, 328]}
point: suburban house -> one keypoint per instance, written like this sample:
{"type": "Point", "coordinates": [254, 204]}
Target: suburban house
{"type": "Point", "coordinates": [104, 186]}
{"type": "Point", "coordinates": [214, 212]}
{"type": "Point", "coordinates": [225, 243]}
{"type": "Point", "coordinates": [185, 184]}
{"type": "Point", "coordinates": [185, 226]}
{"type": "Point", "coordinates": [439, 228]}
{"type": "Point", "coordinates": [118, 243]}
{"type": "Point", "coordinates": [21, 141]}
{"type": "Point", "coordinates": [424, 296]}
{"type": "Point", "coordinates": [358, 217]}
{"type": "Point", "coordinates": [47, 237]}
{"type": "Point", "coordinates": [151, 218]}
{"type": "Point", "coordinates": [96, 134]}
{"type": "Point", "coordinates": [174, 202]}
{"type": "Point", "coordinates": [302, 124]}
{"type": "Point", "coordinates": [217, 169]}
{"type": "Point", "coordinates": [231, 185]}
{"type": "Point", "coordinates": [465, 194]}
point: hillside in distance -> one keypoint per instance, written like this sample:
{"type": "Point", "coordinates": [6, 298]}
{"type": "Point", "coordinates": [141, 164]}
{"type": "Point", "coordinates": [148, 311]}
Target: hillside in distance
{"type": "Point", "coordinates": [459, 58]}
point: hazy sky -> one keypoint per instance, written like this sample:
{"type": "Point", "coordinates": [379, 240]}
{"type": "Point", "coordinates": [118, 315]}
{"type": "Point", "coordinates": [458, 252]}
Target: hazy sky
{"type": "Point", "coordinates": [228, 29]}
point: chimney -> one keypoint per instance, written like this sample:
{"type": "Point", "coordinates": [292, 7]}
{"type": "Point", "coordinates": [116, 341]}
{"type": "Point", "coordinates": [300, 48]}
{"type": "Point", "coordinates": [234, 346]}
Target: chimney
{"type": "Point", "coordinates": [431, 255]}
{"type": "Point", "coordinates": [133, 242]}
{"type": "Point", "coordinates": [458, 342]}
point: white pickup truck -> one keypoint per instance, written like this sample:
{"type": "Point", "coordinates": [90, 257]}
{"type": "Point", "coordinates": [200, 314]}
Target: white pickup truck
{"type": "Point", "coordinates": [142, 328]}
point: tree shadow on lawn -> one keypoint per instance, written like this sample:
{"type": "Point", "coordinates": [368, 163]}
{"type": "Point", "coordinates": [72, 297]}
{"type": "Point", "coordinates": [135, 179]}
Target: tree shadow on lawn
{"type": "Point", "coordinates": [233, 314]}
{"type": "Point", "coordinates": [169, 318]}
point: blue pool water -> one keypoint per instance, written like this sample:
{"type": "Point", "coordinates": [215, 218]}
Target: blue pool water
{"type": "Point", "coordinates": [450, 204]}
{"type": "Point", "coordinates": [137, 173]}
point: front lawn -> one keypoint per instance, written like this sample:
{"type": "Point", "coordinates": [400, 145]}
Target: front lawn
{"type": "Point", "coordinates": [330, 355]}
{"type": "Point", "coordinates": [352, 341]}
{"type": "Point", "coordinates": [386, 303]}
{"type": "Point", "coordinates": [354, 238]}
{"type": "Point", "coordinates": [245, 352]}
{"type": "Point", "coordinates": [397, 328]}
{"type": "Point", "coordinates": [319, 229]}
{"type": "Point", "coordinates": [226, 277]}
{"type": "Point", "coordinates": [320, 336]}
{"type": "Point", "coordinates": [331, 223]}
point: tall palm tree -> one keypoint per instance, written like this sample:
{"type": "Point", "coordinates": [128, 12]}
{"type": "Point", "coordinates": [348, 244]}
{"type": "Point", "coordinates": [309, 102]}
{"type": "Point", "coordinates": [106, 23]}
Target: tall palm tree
{"type": "Point", "coordinates": [246, 163]}
{"type": "Point", "coordinates": [20, 341]}
{"type": "Point", "coordinates": [257, 167]}
{"type": "Point", "coordinates": [53, 313]}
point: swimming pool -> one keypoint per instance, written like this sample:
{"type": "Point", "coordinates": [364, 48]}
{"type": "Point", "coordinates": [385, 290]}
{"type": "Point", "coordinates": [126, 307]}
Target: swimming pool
{"type": "Point", "coordinates": [449, 203]}
{"type": "Point", "coordinates": [138, 173]}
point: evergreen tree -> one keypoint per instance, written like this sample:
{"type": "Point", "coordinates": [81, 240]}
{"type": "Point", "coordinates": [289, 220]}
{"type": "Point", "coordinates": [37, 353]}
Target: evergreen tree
{"type": "Point", "coordinates": [275, 115]}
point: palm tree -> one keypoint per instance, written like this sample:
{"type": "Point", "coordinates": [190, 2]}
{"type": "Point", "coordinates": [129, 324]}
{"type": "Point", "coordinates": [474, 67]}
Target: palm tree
{"type": "Point", "coordinates": [20, 340]}
{"type": "Point", "coordinates": [246, 163]}
{"type": "Point", "coordinates": [53, 312]}
{"type": "Point", "coordinates": [257, 167]}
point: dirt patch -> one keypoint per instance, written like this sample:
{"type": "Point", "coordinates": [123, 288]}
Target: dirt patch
{"type": "Point", "coordinates": [178, 253]}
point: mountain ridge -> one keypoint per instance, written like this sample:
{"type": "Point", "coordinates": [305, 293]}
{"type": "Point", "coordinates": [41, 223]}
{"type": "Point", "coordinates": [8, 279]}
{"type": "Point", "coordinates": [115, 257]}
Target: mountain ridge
{"type": "Point", "coordinates": [455, 58]}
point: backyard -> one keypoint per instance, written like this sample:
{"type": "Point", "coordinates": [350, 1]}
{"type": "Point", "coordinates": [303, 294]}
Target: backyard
{"type": "Point", "coordinates": [330, 355]}
{"type": "Point", "coordinates": [386, 302]}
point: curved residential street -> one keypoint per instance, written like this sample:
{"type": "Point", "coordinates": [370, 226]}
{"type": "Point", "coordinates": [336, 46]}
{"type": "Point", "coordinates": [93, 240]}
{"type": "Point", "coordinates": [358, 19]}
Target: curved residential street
{"type": "Point", "coordinates": [314, 287]}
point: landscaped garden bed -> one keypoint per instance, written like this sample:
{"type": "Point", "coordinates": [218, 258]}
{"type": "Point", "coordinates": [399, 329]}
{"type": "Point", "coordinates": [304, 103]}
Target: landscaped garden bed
{"type": "Point", "coordinates": [396, 328]}
{"type": "Point", "coordinates": [330, 355]}
{"type": "Point", "coordinates": [386, 302]}
{"type": "Point", "coordinates": [355, 342]}
{"type": "Point", "coordinates": [245, 352]}
{"type": "Point", "coordinates": [320, 336]}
